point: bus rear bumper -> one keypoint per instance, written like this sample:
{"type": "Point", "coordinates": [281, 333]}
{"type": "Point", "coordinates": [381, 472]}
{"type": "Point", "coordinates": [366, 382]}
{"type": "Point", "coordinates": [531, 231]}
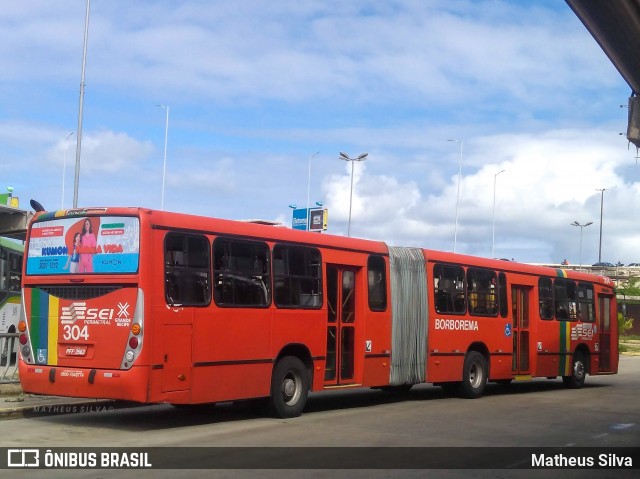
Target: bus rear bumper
{"type": "Point", "coordinates": [129, 385]}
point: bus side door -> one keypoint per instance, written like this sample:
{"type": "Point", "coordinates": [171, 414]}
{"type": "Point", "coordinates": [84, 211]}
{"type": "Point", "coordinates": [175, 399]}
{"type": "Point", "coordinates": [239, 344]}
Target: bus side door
{"type": "Point", "coordinates": [341, 324]}
{"type": "Point", "coordinates": [606, 318]}
{"type": "Point", "coordinates": [521, 363]}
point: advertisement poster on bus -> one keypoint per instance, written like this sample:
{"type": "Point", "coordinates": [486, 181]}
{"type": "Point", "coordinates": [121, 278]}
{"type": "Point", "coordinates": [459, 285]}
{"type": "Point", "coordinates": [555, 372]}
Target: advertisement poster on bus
{"type": "Point", "coordinates": [91, 244]}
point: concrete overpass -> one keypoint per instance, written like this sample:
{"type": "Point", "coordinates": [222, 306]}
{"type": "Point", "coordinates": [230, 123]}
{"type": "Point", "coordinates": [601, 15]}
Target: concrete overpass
{"type": "Point", "coordinates": [13, 222]}
{"type": "Point", "coordinates": [615, 25]}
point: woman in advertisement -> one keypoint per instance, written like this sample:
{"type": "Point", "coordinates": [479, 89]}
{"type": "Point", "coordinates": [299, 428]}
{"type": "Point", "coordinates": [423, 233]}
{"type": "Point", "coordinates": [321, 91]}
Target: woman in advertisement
{"type": "Point", "coordinates": [87, 248]}
{"type": "Point", "coordinates": [74, 256]}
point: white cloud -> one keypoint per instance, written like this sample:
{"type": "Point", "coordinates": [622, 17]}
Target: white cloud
{"type": "Point", "coordinates": [255, 88]}
{"type": "Point", "coordinates": [550, 180]}
{"type": "Point", "coordinates": [104, 152]}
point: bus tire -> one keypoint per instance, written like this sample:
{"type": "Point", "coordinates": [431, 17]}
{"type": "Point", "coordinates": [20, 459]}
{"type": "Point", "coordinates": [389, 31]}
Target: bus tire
{"type": "Point", "coordinates": [578, 372]}
{"type": "Point", "coordinates": [289, 388]}
{"type": "Point", "coordinates": [474, 375]}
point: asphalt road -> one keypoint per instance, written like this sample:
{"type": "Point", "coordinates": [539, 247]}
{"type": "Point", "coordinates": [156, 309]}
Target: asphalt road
{"type": "Point", "coordinates": [541, 413]}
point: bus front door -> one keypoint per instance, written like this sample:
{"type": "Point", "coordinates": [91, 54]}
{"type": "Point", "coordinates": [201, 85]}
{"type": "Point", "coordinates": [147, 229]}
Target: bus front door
{"type": "Point", "coordinates": [606, 317]}
{"type": "Point", "coordinates": [341, 321]}
{"type": "Point", "coordinates": [520, 364]}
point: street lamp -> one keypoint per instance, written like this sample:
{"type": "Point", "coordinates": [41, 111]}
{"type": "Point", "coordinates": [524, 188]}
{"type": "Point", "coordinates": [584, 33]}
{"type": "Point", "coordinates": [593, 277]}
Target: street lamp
{"type": "Point", "coordinates": [493, 227]}
{"type": "Point", "coordinates": [575, 223]}
{"type": "Point", "coordinates": [345, 157]}
{"type": "Point", "coordinates": [164, 164]}
{"type": "Point", "coordinates": [64, 167]}
{"type": "Point", "coordinates": [455, 230]}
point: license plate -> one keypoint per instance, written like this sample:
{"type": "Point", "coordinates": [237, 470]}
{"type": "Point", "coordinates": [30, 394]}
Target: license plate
{"type": "Point", "coordinates": [76, 351]}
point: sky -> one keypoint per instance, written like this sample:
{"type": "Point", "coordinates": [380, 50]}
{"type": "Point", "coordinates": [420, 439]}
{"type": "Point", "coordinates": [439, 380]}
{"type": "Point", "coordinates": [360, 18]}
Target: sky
{"type": "Point", "coordinates": [263, 96]}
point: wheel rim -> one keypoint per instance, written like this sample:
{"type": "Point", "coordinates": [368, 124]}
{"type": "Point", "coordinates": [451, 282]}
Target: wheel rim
{"type": "Point", "coordinates": [291, 388]}
{"type": "Point", "coordinates": [475, 375]}
{"type": "Point", "coordinates": [578, 370]}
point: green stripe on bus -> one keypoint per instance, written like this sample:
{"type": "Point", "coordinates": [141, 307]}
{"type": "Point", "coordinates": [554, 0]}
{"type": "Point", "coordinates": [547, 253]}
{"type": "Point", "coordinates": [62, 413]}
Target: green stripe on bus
{"type": "Point", "coordinates": [563, 348]}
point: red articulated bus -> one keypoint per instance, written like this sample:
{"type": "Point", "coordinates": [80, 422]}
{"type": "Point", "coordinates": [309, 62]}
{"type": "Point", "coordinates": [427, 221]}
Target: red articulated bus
{"type": "Point", "coordinates": [160, 307]}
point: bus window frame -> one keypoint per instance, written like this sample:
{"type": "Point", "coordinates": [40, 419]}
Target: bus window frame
{"type": "Point", "coordinates": [569, 312]}
{"type": "Point", "coordinates": [237, 276]}
{"type": "Point", "coordinates": [377, 283]}
{"type": "Point", "coordinates": [475, 292]}
{"type": "Point", "coordinates": [453, 293]}
{"type": "Point", "coordinates": [285, 276]}
{"type": "Point", "coordinates": [187, 271]}
{"type": "Point", "coordinates": [546, 303]}
{"type": "Point", "coordinates": [591, 316]}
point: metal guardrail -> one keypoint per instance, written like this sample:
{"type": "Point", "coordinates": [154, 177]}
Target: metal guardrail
{"type": "Point", "coordinates": [9, 358]}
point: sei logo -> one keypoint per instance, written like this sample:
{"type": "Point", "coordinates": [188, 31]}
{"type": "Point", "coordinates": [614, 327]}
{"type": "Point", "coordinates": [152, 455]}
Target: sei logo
{"type": "Point", "coordinates": [79, 311]}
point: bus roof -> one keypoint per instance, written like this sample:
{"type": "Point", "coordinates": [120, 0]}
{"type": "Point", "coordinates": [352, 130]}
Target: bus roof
{"type": "Point", "coordinates": [269, 232]}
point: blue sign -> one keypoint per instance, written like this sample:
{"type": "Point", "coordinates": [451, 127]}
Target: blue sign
{"type": "Point", "coordinates": [299, 220]}
{"type": "Point", "coordinates": [507, 330]}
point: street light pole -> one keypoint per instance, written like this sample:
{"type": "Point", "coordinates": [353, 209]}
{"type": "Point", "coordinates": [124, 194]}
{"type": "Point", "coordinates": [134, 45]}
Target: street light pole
{"type": "Point", "coordinates": [64, 168]}
{"type": "Point", "coordinates": [345, 157]}
{"type": "Point", "coordinates": [164, 164]}
{"type": "Point", "coordinates": [80, 108]}
{"type": "Point", "coordinates": [493, 227]}
{"type": "Point", "coordinates": [601, 190]}
{"type": "Point", "coordinates": [455, 228]}
{"type": "Point", "coordinates": [575, 223]}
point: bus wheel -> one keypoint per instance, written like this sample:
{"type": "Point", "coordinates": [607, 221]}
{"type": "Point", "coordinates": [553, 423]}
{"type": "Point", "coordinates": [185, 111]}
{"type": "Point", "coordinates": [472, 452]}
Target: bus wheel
{"type": "Point", "coordinates": [578, 373]}
{"type": "Point", "coordinates": [289, 388]}
{"type": "Point", "coordinates": [474, 375]}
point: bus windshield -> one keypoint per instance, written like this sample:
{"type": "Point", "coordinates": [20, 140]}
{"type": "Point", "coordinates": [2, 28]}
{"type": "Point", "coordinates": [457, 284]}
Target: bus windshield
{"type": "Point", "coordinates": [83, 245]}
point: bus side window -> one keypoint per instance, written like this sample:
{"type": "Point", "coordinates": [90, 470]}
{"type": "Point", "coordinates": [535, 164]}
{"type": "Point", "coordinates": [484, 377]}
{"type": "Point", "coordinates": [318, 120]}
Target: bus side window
{"type": "Point", "coordinates": [186, 269]}
{"type": "Point", "coordinates": [297, 277]}
{"type": "Point", "coordinates": [482, 292]}
{"type": "Point", "coordinates": [586, 303]}
{"type": "Point", "coordinates": [377, 280]}
{"type": "Point", "coordinates": [449, 291]}
{"type": "Point", "coordinates": [241, 271]}
{"type": "Point", "coordinates": [564, 295]}
{"type": "Point", "coordinates": [502, 295]}
{"type": "Point", "coordinates": [545, 295]}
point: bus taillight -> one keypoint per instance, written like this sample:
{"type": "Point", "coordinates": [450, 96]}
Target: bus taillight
{"type": "Point", "coordinates": [134, 342]}
{"type": "Point", "coordinates": [23, 339]}
{"type": "Point", "coordinates": [22, 326]}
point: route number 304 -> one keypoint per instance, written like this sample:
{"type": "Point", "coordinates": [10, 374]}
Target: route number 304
{"type": "Point", "coordinates": [74, 332]}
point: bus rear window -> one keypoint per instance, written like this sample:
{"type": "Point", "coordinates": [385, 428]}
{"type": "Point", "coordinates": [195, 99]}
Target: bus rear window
{"type": "Point", "coordinates": [84, 245]}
